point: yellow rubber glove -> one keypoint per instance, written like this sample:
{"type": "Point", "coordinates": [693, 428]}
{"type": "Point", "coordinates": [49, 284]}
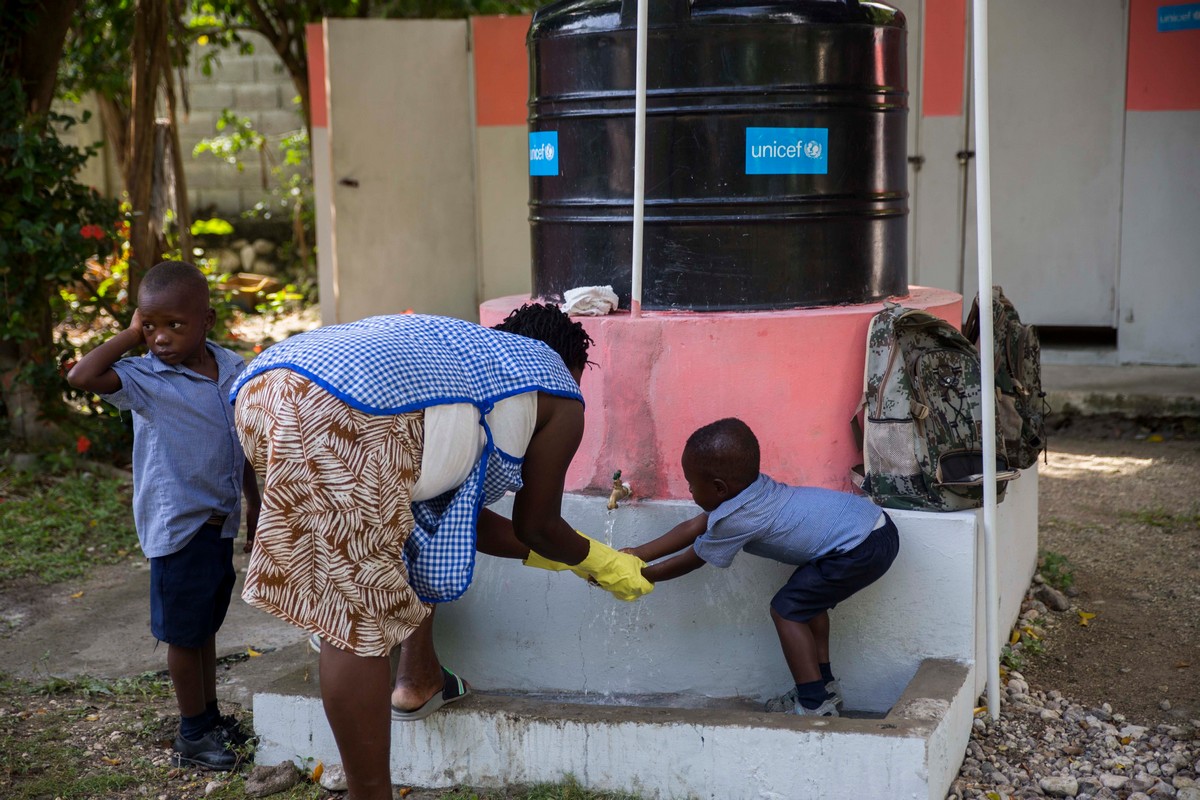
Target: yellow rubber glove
{"type": "Point", "coordinates": [620, 574]}
{"type": "Point", "coordinates": [538, 561]}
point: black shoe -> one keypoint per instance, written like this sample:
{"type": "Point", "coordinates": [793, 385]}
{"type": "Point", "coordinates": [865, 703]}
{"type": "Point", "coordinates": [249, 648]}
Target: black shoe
{"type": "Point", "coordinates": [212, 751]}
{"type": "Point", "coordinates": [234, 730]}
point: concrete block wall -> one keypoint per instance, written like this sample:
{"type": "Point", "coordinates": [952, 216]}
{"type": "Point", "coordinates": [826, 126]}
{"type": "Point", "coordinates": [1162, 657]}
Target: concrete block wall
{"type": "Point", "coordinates": [254, 85]}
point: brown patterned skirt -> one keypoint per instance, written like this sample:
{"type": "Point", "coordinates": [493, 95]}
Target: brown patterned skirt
{"type": "Point", "coordinates": [335, 512]}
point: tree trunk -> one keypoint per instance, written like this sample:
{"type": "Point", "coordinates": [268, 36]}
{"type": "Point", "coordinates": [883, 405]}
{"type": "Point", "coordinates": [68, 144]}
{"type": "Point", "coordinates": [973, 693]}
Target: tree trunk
{"type": "Point", "coordinates": [183, 210]}
{"type": "Point", "coordinates": [150, 57]}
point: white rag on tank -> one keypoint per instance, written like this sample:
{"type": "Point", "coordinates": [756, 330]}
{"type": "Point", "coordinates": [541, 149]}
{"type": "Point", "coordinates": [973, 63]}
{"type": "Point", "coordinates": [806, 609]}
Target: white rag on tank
{"type": "Point", "coordinates": [589, 301]}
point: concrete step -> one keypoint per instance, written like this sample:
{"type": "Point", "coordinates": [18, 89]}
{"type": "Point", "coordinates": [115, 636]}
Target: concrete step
{"type": "Point", "coordinates": [493, 741]}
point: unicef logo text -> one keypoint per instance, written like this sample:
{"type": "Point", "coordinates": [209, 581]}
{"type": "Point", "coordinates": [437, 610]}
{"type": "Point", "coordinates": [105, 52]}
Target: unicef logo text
{"type": "Point", "coordinates": [787, 151]}
{"type": "Point", "coordinates": [801, 149]}
{"type": "Point", "coordinates": [543, 153]}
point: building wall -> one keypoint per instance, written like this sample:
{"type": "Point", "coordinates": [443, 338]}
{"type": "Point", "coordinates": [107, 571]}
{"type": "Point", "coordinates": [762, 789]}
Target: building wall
{"type": "Point", "coordinates": [1160, 238]}
{"type": "Point", "coordinates": [255, 86]}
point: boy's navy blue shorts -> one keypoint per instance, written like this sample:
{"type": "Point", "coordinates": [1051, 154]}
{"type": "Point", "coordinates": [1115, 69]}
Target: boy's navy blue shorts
{"type": "Point", "coordinates": [820, 585]}
{"type": "Point", "coordinates": [190, 589]}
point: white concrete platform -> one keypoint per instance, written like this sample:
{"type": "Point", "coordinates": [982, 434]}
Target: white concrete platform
{"type": "Point", "coordinates": [494, 741]}
{"type": "Point", "coordinates": [660, 689]}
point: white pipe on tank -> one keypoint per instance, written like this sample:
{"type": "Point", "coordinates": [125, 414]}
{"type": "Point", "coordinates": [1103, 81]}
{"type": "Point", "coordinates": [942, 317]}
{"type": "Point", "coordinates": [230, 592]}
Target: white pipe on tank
{"type": "Point", "coordinates": [639, 158]}
{"type": "Point", "coordinates": [983, 219]}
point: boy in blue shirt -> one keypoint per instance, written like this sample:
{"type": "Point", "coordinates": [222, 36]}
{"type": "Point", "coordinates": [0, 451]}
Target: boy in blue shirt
{"type": "Point", "coordinates": [839, 543]}
{"type": "Point", "coordinates": [188, 476]}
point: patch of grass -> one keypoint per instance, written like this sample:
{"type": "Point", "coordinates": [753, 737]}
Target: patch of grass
{"type": "Point", "coordinates": [1161, 518]}
{"type": "Point", "coordinates": [58, 524]}
{"type": "Point", "coordinates": [148, 685]}
{"type": "Point", "coordinates": [1056, 569]}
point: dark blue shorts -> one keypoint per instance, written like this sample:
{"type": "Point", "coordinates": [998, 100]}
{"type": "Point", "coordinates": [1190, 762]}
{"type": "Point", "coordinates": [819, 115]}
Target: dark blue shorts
{"type": "Point", "coordinates": [190, 589]}
{"type": "Point", "coordinates": [820, 585]}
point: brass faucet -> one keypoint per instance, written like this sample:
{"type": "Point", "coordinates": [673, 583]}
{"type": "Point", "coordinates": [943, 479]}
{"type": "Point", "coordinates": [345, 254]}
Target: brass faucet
{"type": "Point", "coordinates": [619, 491]}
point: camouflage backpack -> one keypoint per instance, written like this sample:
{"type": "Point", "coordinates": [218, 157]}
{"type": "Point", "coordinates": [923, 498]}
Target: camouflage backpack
{"type": "Point", "coordinates": [1020, 402]}
{"type": "Point", "coordinates": [922, 421]}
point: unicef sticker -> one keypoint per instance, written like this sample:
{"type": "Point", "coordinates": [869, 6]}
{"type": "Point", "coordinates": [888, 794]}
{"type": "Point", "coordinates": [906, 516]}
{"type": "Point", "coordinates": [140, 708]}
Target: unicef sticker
{"type": "Point", "coordinates": [543, 153]}
{"type": "Point", "coordinates": [787, 151]}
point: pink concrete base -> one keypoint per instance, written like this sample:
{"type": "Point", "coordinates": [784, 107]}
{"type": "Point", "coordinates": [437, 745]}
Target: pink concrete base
{"type": "Point", "coordinates": [795, 377]}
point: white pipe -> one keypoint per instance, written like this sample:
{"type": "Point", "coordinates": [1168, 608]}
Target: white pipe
{"type": "Point", "coordinates": [983, 216]}
{"type": "Point", "coordinates": [639, 158]}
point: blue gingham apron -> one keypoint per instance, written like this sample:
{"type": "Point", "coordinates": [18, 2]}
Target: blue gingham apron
{"type": "Point", "coordinates": [400, 363]}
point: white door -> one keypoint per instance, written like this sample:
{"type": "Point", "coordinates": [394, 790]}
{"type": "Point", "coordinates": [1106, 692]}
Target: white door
{"type": "Point", "coordinates": [1057, 112]}
{"type": "Point", "coordinates": [1058, 115]}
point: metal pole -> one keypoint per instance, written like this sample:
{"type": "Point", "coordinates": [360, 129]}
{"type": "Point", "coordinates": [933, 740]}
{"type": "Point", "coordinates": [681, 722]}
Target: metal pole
{"type": "Point", "coordinates": [983, 215]}
{"type": "Point", "coordinates": [639, 158]}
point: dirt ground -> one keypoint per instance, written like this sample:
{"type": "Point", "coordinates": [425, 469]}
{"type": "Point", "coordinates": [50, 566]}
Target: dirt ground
{"type": "Point", "coordinates": [1118, 500]}
{"type": "Point", "coordinates": [1125, 512]}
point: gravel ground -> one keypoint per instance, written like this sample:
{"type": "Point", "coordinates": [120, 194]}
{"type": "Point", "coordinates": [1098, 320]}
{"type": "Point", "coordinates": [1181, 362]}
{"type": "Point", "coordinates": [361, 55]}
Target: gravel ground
{"type": "Point", "coordinates": [1106, 700]}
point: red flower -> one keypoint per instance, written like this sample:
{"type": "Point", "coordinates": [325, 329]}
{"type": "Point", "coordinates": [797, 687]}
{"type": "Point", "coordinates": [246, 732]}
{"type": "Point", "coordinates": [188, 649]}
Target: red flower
{"type": "Point", "coordinates": [82, 444]}
{"type": "Point", "coordinates": [91, 232]}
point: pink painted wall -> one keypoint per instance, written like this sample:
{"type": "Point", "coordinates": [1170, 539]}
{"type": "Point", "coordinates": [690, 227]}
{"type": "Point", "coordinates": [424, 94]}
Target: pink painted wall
{"type": "Point", "coordinates": [945, 46]}
{"type": "Point", "coordinates": [795, 377]}
{"type": "Point", "coordinates": [1163, 64]}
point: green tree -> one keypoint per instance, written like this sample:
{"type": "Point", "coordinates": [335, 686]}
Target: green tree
{"type": "Point", "coordinates": [126, 52]}
{"type": "Point", "coordinates": [50, 224]}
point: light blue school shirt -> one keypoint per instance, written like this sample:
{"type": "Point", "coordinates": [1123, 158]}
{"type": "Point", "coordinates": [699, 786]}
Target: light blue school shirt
{"type": "Point", "coordinates": [791, 524]}
{"type": "Point", "coordinates": [187, 460]}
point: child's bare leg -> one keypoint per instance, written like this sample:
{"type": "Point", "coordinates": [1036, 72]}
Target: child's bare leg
{"type": "Point", "coordinates": [353, 689]}
{"type": "Point", "coordinates": [208, 657]}
{"type": "Point", "coordinates": [800, 648]}
{"type": "Point", "coordinates": [186, 668]}
{"type": "Point", "coordinates": [419, 673]}
{"type": "Point", "coordinates": [819, 625]}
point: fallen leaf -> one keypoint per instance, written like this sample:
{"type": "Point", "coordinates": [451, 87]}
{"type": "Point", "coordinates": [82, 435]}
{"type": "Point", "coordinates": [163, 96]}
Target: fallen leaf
{"type": "Point", "coordinates": [250, 651]}
{"type": "Point", "coordinates": [1015, 637]}
{"type": "Point", "coordinates": [77, 595]}
{"type": "Point", "coordinates": [318, 770]}
{"type": "Point", "coordinates": [405, 791]}
{"type": "Point", "coordinates": [1126, 739]}
{"type": "Point", "coordinates": [1154, 437]}
{"type": "Point", "coordinates": [92, 717]}
{"type": "Point", "coordinates": [993, 796]}
{"type": "Point", "coordinates": [112, 762]}
{"type": "Point", "coordinates": [1182, 665]}
{"type": "Point", "coordinates": [979, 710]}
{"type": "Point", "coordinates": [1084, 616]}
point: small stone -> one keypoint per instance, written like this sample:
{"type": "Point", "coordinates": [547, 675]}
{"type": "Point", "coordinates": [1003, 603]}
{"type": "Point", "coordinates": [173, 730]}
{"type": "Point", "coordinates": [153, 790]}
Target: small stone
{"type": "Point", "coordinates": [1060, 786]}
{"type": "Point", "coordinates": [1053, 598]}
{"type": "Point", "coordinates": [1110, 781]}
{"type": "Point", "coordinates": [334, 778]}
{"type": "Point", "coordinates": [264, 781]}
{"type": "Point", "coordinates": [1165, 705]}
{"type": "Point", "coordinates": [211, 787]}
{"type": "Point", "coordinates": [1188, 793]}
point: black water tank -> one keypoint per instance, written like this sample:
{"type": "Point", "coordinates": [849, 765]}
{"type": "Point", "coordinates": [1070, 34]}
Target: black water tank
{"type": "Point", "coordinates": [775, 151]}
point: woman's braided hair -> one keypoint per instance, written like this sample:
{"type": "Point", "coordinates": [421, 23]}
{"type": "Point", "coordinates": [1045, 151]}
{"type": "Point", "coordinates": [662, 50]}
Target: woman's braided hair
{"type": "Point", "coordinates": [547, 323]}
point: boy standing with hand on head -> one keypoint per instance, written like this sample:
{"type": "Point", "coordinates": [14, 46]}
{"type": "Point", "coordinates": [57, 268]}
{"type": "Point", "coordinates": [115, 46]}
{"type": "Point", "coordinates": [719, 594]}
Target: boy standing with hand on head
{"type": "Point", "coordinates": [188, 476]}
{"type": "Point", "coordinates": [839, 543]}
